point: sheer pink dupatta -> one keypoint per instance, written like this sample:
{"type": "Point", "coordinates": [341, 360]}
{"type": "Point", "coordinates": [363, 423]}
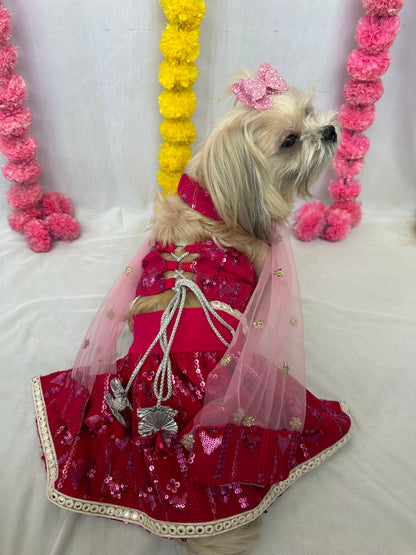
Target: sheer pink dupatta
{"type": "Point", "coordinates": [261, 378]}
{"type": "Point", "coordinates": [98, 352]}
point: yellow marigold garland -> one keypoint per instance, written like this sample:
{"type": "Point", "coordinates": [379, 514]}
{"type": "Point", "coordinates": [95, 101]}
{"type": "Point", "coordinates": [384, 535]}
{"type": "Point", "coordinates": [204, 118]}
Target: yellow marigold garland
{"type": "Point", "coordinates": [179, 45]}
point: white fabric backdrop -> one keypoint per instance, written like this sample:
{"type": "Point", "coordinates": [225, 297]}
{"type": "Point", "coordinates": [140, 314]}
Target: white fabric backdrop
{"type": "Point", "coordinates": [91, 71]}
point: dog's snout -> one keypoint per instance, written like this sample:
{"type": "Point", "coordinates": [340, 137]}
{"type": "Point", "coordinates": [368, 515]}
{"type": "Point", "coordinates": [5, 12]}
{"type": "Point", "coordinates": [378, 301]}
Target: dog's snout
{"type": "Point", "coordinates": [329, 134]}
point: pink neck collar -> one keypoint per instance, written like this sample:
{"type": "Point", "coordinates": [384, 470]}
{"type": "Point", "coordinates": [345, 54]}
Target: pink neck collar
{"type": "Point", "coordinates": [196, 197]}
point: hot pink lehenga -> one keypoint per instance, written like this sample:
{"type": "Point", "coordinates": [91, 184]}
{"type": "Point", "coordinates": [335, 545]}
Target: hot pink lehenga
{"type": "Point", "coordinates": [239, 426]}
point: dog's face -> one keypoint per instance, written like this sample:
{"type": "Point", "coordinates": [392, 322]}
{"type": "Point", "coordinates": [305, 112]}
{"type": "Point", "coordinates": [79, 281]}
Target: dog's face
{"type": "Point", "coordinates": [256, 162]}
{"type": "Point", "coordinates": [305, 143]}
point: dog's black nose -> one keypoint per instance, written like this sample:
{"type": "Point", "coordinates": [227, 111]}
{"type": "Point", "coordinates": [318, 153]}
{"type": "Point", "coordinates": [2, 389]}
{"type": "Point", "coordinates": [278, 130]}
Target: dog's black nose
{"type": "Point", "coordinates": [329, 135]}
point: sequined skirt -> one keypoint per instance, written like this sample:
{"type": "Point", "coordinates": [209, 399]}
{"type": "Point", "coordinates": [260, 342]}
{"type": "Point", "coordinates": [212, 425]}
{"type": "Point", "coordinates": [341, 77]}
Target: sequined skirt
{"type": "Point", "coordinates": [214, 481]}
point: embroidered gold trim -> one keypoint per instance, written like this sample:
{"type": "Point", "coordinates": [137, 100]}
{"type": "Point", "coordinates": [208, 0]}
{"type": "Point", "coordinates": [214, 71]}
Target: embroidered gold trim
{"type": "Point", "coordinates": [157, 527]}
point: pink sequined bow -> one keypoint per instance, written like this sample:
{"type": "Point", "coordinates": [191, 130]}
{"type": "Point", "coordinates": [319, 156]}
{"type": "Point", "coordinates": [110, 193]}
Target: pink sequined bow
{"type": "Point", "coordinates": [256, 92]}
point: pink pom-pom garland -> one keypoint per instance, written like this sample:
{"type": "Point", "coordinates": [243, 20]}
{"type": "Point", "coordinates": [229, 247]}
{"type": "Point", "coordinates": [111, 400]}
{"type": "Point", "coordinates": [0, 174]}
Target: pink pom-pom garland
{"type": "Point", "coordinates": [356, 118]}
{"type": "Point", "coordinates": [19, 218]}
{"type": "Point", "coordinates": [5, 25]}
{"type": "Point", "coordinates": [13, 93]}
{"type": "Point", "coordinates": [25, 173]}
{"type": "Point", "coordinates": [375, 34]}
{"type": "Point", "coordinates": [382, 7]}
{"type": "Point", "coordinates": [353, 145]}
{"type": "Point", "coordinates": [22, 196]}
{"type": "Point", "coordinates": [42, 218]}
{"type": "Point", "coordinates": [62, 227]}
{"type": "Point", "coordinates": [55, 203]}
{"type": "Point", "coordinates": [15, 124]}
{"type": "Point", "coordinates": [352, 207]}
{"type": "Point", "coordinates": [344, 189]}
{"type": "Point", "coordinates": [311, 220]}
{"type": "Point", "coordinates": [345, 167]}
{"type": "Point", "coordinates": [338, 225]}
{"type": "Point", "coordinates": [37, 235]}
{"type": "Point", "coordinates": [18, 149]}
{"type": "Point", "coordinates": [8, 59]}
{"type": "Point", "coordinates": [365, 66]}
{"type": "Point", "coordinates": [363, 93]}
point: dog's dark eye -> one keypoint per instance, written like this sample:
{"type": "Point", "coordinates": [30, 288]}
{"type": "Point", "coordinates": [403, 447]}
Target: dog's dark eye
{"type": "Point", "coordinates": [289, 141]}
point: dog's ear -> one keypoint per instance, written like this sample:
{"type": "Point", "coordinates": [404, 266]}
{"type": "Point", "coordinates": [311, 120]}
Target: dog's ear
{"type": "Point", "coordinates": [238, 175]}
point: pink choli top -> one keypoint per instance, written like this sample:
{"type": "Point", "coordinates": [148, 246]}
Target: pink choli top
{"type": "Point", "coordinates": [222, 275]}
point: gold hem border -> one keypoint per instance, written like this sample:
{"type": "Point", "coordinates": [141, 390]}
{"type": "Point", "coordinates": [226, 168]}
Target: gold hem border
{"type": "Point", "coordinates": [157, 527]}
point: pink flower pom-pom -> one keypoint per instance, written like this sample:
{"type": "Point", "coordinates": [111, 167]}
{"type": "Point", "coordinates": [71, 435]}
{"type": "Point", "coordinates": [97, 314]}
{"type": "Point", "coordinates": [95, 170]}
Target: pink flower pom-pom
{"type": "Point", "coordinates": [352, 207]}
{"type": "Point", "coordinates": [315, 206]}
{"type": "Point", "coordinates": [338, 225]}
{"type": "Point", "coordinates": [344, 189]}
{"type": "Point", "coordinates": [55, 203]}
{"type": "Point", "coordinates": [25, 173]}
{"type": "Point", "coordinates": [19, 218]}
{"type": "Point", "coordinates": [16, 123]}
{"type": "Point", "coordinates": [382, 7]}
{"type": "Point", "coordinates": [63, 227]}
{"type": "Point", "coordinates": [13, 94]}
{"type": "Point", "coordinates": [356, 118]}
{"type": "Point", "coordinates": [18, 149]}
{"type": "Point", "coordinates": [375, 34]}
{"type": "Point", "coordinates": [363, 93]}
{"type": "Point", "coordinates": [346, 168]}
{"type": "Point", "coordinates": [353, 145]}
{"type": "Point", "coordinates": [37, 236]}
{"type": "Point", "coordinates": [310, 225]}
{"type": "Point", "coordinates": [8, 59]}
{"type": "Point", "coordinates": [5, 25]}
{"type": "Point", "coordinates": [368, 67]}
{"type": "Point", "coordinates": [21, 196]}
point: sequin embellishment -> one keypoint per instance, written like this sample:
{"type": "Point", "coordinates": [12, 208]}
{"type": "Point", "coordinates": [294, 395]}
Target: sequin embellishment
{"type": "Point", "coordinates": [225, 361]}
{"type": "Point", "coordinates": [295, 424]}
{"type": "Point", "coordinates": [285, 368]}
{"type": "Point", "coordinates": [111, 313]}
{"type": "Point", "coordinates": [188, 441]}
{"type": "Point", "coordinates": [127, 270]}
{"type": "Point", "coordinates": [279, 273]}
{"type": "Point", "coordinates": [258, 324]}
{"type": "Point", "coordinates": [209, 444]}
{"type": "Point", "coordinates": [248, 421]}
{"type": "Point", "coordinates": [238, 416]}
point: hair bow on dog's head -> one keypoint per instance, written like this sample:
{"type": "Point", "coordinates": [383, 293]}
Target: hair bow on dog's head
{"type": "Point", "coordinates": [256, 92]}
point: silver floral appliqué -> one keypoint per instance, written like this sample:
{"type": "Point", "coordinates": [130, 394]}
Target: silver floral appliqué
{"type": "Point", "coordinates": [155, 419]}
{"type": "Point", "coordinates": [118, 401]}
